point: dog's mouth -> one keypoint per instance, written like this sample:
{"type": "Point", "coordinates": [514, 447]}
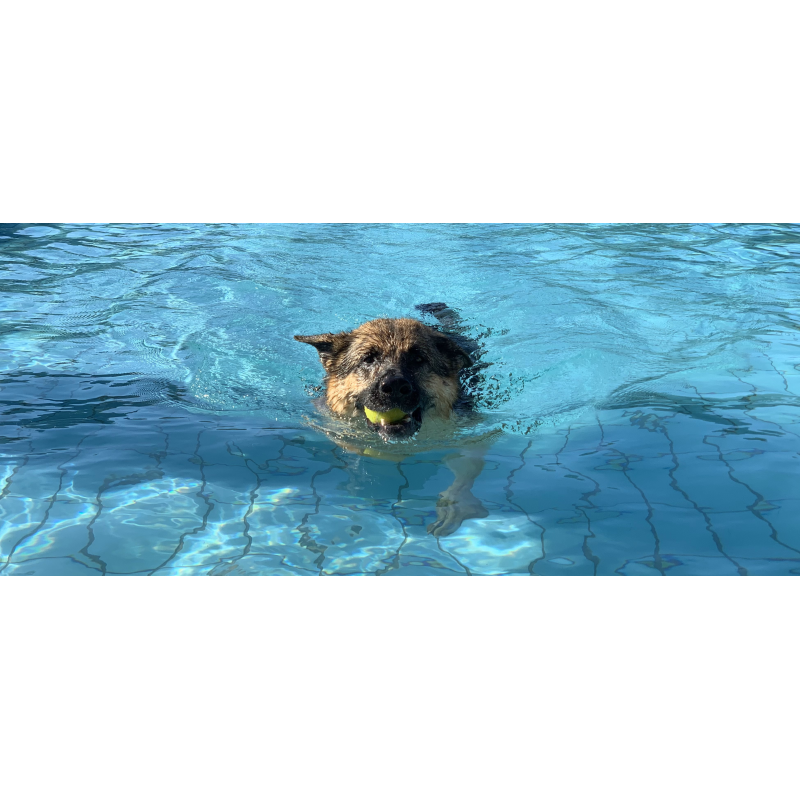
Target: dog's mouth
{"type": "Point", "coordinates": [394, 423]}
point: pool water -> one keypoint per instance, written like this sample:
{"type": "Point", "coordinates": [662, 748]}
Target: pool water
{"type": "Point", "coordinates": [158, 417]}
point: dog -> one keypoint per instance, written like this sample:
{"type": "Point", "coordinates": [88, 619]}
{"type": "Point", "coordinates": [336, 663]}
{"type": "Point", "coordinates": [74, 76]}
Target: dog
{"type": "Point", "coordinates": [396, 374]}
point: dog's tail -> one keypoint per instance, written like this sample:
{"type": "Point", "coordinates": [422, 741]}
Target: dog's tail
{"type": "Point", "coordinates": [451, 323]}
{"type": "Point", "coordinates": [446, 316]}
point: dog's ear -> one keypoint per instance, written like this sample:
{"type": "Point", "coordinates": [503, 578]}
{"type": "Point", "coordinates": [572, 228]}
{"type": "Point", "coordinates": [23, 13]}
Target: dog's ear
{"type": "Point", "coordinates": [329, 345]}
{"type": "Point", "coordinates": [453, 352]}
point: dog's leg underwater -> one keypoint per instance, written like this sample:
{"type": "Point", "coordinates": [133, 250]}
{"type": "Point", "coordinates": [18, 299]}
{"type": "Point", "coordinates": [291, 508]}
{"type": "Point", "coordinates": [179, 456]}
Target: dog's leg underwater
{"type": "Point", "coordinates": [457, 502]}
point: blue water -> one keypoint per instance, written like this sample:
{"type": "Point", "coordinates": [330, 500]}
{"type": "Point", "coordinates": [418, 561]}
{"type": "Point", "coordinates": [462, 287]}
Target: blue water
{"type": "Point", "coordinates": [158, 418]}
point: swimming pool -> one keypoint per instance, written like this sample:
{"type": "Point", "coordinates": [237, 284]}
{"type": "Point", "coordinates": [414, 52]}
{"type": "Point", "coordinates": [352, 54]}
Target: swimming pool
{"type": "Point", "coordinates": [156, 411]}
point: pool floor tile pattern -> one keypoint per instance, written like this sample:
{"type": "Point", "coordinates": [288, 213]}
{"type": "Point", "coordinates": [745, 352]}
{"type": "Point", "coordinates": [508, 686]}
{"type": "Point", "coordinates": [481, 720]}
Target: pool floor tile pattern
{"type": "Point", "coordinates": [635, 492]}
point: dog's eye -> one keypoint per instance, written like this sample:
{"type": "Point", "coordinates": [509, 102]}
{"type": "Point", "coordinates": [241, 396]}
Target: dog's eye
{"type": "Point", "coordinates": [415, 357]}
{"type": "Point", "coordinates": [369, 358]}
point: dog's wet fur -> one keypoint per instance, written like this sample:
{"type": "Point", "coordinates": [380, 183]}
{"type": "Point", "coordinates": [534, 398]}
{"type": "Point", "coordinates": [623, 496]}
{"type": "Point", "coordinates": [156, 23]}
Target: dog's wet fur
{"type": "Point", "coordinates": [387, 364]}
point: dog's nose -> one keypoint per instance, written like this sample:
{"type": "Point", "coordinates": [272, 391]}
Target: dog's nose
{"type": "Point", "coordinates": [396, 386]}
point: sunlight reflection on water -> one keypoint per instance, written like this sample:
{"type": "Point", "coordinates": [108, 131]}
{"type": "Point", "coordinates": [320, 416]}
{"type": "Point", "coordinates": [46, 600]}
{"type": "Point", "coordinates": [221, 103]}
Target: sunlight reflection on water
{"type": "Point", "coordinates": [155, 407]}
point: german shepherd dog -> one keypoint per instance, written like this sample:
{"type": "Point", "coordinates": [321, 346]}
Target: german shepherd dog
{"type": "Point", "coordinates": [397, 373]}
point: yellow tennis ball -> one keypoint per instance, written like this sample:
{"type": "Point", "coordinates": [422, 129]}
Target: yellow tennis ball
{"type": "Point", "coordinates": [389, 417]}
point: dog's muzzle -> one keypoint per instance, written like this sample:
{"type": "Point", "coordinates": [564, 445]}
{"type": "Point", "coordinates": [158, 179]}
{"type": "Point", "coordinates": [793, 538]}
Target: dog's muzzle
{"type": "Point", "coordinates": [393, 407]}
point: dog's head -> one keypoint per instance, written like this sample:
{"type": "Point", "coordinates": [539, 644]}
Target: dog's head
{"type": "Point", "coordinates": [393, 371]}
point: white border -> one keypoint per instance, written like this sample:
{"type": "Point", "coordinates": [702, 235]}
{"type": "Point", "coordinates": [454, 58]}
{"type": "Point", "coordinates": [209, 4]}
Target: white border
{"type": "Point", "coordinates": [429, 112]}
{"type": "Point", "coordinates": [495, 688]}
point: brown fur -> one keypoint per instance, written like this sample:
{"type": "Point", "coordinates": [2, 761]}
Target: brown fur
{"type": "Point", "coordinates": [444, 391]}
{"type": "Point", "coordinates": [392, 340]}
{"type": "Point", "coordinates": [341, 393]}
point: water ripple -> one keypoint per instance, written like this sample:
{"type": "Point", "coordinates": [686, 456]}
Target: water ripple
{"type": "Point", "coordinates": [154, 405]}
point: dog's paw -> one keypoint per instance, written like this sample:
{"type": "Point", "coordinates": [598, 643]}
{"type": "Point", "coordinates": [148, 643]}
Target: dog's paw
{"type": "Point", "coordinates": [453, 509]}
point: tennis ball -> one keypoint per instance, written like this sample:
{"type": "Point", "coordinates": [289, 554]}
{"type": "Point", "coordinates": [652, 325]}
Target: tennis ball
{"type": "Point", "coordinates": [387, 417]}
